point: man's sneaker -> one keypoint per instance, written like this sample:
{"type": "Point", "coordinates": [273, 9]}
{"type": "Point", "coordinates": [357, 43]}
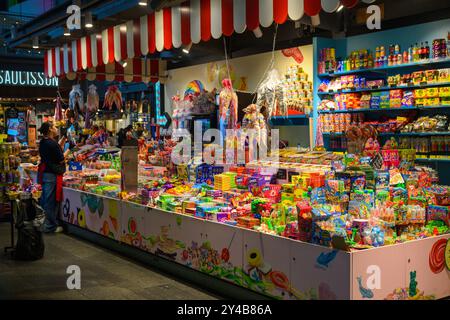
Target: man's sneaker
{"type": "Point", "coordinates": [59, 229]}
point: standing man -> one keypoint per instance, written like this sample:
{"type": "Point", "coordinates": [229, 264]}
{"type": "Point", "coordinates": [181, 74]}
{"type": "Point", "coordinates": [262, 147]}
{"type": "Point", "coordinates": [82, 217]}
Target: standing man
{"type": "Point", "coordinates": [50, 175]}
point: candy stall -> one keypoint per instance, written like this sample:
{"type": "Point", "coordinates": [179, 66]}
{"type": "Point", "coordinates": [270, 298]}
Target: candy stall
{"type": "Point", "coordinates": [314, 225]}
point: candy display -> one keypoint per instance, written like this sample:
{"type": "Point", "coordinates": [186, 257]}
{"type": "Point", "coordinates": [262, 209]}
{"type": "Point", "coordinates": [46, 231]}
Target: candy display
{"type": "Point", "coordinates": [297, 92]}
{"type": "Point", "coordinates": [383, 57]}
{"type": "Point", "coordinates": [297, 199]}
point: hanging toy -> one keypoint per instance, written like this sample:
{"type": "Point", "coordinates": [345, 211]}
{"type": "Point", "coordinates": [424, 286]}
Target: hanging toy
{"type": "Point", "coordinates": [92, 99]}
{"type": "Point", "coordinates": [113, 96]}
{"type": "Point", "coordinates": [76, 100]}
{"type": "Point", "coordinates": [228, 106]}
{"type": "Point", "coordinates": [254, 120]}
{"type": "Point", "coordinates": [91, 105]}
{"type": "Point", "coordinates": [58, 111]}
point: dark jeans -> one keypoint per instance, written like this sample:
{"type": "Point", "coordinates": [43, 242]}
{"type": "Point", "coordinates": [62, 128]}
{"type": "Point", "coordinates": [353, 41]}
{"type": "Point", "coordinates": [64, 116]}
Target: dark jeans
{"type": "Point", "coordinates": [48, 202]}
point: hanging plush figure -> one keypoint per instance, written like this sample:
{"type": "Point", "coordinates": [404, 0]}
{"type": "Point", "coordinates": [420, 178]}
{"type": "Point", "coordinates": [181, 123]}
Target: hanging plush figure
{"type": "Point", "coordinates": [113, 96]}
{"type": "Point", "coordinates": [92, 99]}
{"type": "Point", "coordinates": [76, 100]}
{"type": "Point", "coordinates": [254, 120]}
{"type": "Point", "coordinates": [91, 105]}
{"type": "Point", "coordinates": [58, 110]}
{"type": "Point", "coordinates": [176, 112]}
{"type": "Point", "coordinates": [228, 107]}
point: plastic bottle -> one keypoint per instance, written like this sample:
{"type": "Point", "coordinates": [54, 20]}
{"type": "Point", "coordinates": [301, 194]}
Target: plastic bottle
{"type": "Point", "coordinates": [415, 52]}
{"type": "Point", "coordinates": [427, 51]}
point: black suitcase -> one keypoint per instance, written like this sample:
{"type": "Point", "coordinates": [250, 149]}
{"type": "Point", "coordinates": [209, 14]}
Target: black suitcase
{"type": "Point", "coordinates": [30, 242]}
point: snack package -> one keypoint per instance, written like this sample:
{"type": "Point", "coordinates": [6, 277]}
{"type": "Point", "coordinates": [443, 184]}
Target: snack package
{"type": "Point", "coordinates": [395, 98]}
{"type": "Point", "coordinates": [408, 98]}
{"type": "Point", "coordinates": [384, 99]}
{"type": "Point", "coordinates": [435, 213]}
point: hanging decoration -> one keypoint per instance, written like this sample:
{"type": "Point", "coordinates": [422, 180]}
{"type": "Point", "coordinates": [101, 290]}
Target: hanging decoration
{"type": "Point", "coordinates": [194, 88]}
{"type": "Point", "coordinates": [228, 107]}
{"type": "Point", "coordinates": [271, 95]}
{"type": "Point", "coordinates": [189, 22]}
{"type": "Point", "coordinates": [76, 103]}
{"type": "Point", "coordinates": [254, 120]}
{"type": "Point", "coordinates": [58, 111]}
{"type": "Point", "coordinates": [113, 97]}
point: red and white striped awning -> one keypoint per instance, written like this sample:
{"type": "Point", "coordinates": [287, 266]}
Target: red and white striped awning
{"type": "Point", "coordinates": [191, 22]}
{"type": "Point", "coordinates": [136, 70]}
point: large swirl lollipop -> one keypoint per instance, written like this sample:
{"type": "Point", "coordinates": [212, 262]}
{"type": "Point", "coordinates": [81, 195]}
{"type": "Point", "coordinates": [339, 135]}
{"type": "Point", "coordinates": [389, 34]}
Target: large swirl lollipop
{"type": "Point", "coordinates": [436, 258]}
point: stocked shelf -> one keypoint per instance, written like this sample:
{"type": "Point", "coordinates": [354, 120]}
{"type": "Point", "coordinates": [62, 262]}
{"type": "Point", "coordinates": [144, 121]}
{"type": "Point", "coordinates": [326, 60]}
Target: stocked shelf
{"type": "Point", "coordinates": [401, 134]}
{"type": "Point", "coordinates": [385, 109]}
{"type": "Point", "coordinates": [385, 88]}
{"type": "Point", "coordinates": [433, 159]}
{"type": "Point", "coordinates": [425, 63]}
{"type": "Point", "coordinates": [301, 119]}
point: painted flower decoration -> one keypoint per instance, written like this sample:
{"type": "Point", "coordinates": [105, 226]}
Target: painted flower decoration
{"type": "Point", "coordinates": [225, 254]}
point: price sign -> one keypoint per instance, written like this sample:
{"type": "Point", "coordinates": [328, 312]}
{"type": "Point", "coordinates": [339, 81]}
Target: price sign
{"type": "Point", "coordinates": [129, 169]}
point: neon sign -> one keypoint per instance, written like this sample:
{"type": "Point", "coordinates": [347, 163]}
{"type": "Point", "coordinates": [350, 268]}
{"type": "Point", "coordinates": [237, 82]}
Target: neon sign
{"type": "Point", "coordinates": [26, 79]}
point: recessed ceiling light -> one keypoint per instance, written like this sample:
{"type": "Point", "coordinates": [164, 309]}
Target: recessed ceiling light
{"type": "Point", "coordinates": [35, 43]}
{"type": "Point", "coordinates": [187, 48]}
{"type": "Point", "coordinates": [143, 3]}
{"type": "Point", "coordinates": [340, 8]}
{"type": "Point", "coordinates": [89, 20]}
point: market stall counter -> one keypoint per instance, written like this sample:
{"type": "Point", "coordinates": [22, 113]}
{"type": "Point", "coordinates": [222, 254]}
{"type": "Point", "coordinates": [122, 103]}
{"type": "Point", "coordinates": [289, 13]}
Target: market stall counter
{"type": "Point", "coordinates": [271, 265]}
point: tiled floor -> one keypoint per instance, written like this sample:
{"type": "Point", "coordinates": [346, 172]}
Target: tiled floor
{"type": "Point", "coordinates": [104, 274]}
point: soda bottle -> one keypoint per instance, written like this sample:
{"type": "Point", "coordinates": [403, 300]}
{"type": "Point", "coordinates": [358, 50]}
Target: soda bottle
{"type": "Point", "coordinates": [416, 52]}
{"type": "Point", "coordinates": [422, 51]}
{"type": "Point", "coordinates": [405, 56]}
{"type": "Point", "coordinates": [427, 51]}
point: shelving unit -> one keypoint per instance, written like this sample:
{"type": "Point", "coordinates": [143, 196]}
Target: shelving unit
{"type": "Point", "coordinates": [378, 89]}
{"type": "Point", "coordinates": [400, 134]}
{"type": "Point", "coordinates": [383, 72]}
{"type": "Point", "coordinates": [424, 64]}
{"type": "Point", "coordinates": [294, 120]}
{"type": "Point", "coordinates": [409, 108]}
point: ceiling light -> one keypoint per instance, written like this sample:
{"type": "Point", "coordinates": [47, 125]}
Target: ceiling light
{"type": "Point", "coordinates": [38, 99]}
{"type": "Point", "coordinates": [340, 8]}
{"type": "Point", "coordinates": [88, 20]}
{"type": "Point", "coordinates": [35, 43]}
{"type": "Point", "coordinates": [143, 3]}
{"type": "Point", "coordinates": [187, 48]}
{"type": "Point", "coordinates": [123, 64]}
{"type": "Point", "coordinates": [66, 32]}
{"type": "Point", "coordinates": [258, 32]}
{"type": "Point", "coordinates": [315, 20]}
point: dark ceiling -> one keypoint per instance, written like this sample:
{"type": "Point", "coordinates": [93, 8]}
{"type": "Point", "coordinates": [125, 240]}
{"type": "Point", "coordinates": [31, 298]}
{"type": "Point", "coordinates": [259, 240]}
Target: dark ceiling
{"type": "Point", "coordinates": [49, 27]}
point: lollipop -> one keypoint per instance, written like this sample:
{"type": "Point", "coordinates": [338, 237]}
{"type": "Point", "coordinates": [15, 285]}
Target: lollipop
{"type": "Point", "coordinates": [194, 87]}
{"type": "Point", "coordinates": [436, 257]}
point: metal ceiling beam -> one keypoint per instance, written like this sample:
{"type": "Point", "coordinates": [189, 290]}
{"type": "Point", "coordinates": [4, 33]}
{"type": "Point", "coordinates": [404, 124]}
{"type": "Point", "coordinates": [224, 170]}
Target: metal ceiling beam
{"type": "Point", "coordinates": [56, 19]}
